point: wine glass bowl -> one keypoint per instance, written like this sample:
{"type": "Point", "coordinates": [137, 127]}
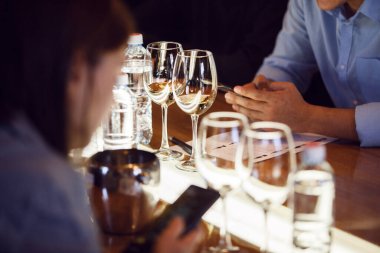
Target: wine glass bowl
{"type": "Point", "coordinates": [217, 147]}
{"type": "Point", "coordinates": [163, 54]}
{"type": "Point", "coordinates": [195, 81]}
{"type": "Point", "coordinates": [195, 87]}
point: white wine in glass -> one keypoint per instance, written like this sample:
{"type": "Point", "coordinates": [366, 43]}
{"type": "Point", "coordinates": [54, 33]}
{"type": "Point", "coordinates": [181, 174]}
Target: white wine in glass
{"type": "Point", "coordinates": [159, 89]}
{"type": "Point", "coordinates": [195, 87]}
{"type": "Point", "coordinates": [267, 183]}
{"type": "Point", "coordinates": [219, 137]}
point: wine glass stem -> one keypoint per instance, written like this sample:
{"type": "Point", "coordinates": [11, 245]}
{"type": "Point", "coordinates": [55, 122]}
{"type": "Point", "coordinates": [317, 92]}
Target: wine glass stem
{"type": "Point", "coordinates": [164, 139]}
{"type": "Point", "coordinates": [194, 122]}
{"type": "Point", "coordinates": [225, 239]}
{"type": "Point", "coordinates": [264, 248]}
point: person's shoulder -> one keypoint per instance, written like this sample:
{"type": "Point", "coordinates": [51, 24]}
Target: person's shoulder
{"type": "Point", "coordinates": [307, 11]}
{"type": "Point", "coordinates": [30, 172]}
{"type": "Point", "coordinates": [27, 162]}
{"type": "Point", "coordinates": [306, 5]}
{"type": "Point", "coordinates": [29, 159]}
{"type": "Point", "coordinates": [43, 201]}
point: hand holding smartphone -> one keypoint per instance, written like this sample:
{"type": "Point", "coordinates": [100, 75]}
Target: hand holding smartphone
{"type": "Point", "coordinates": [190, 206]}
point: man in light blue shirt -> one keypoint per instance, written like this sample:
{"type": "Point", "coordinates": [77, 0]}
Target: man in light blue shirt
{"type": "Point", "coordinates": [341, 38]}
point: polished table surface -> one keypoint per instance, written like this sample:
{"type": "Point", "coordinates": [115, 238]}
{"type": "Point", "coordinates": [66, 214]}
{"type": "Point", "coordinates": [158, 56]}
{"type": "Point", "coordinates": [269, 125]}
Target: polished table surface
{"type": "Point", "coordinates": [357, 175]}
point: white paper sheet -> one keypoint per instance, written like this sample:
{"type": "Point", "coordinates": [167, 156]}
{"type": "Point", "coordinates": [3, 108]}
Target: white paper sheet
{"type": "Point", "coordinates": [226, 149]}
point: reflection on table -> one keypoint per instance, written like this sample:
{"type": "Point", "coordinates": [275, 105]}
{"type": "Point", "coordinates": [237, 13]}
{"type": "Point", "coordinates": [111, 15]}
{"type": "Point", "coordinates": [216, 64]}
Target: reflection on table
{"type": "Point", "coordinates": [357, 172]}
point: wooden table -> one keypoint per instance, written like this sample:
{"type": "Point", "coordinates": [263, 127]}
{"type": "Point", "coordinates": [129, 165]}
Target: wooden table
{"type": "Point", "coordinates": [357, 171]}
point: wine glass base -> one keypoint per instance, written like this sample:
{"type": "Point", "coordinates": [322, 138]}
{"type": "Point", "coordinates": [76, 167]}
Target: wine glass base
{"type": "Point", "coordinates": [219, 249]}
{"type": "Point", "coordinates": [188, 166]}
{"type": "Point", "coordinates": [167, 154]}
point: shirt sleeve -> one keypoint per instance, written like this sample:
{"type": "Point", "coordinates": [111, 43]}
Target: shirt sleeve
{"type": "Point", "coordinates": [292, 59]}
{"type": "Point", "coordinates": [367, 120]}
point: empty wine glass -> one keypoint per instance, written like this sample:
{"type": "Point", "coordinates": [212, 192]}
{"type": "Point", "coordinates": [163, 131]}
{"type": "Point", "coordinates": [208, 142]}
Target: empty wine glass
{"type": "Point", "coordinates": [159, 89]}
{"type": "Point", "coordinates": [195, 86]}
{"type": "Point", "coordinates": [219, 136]}
{"type": "Point", "coordinates": [267, 183]}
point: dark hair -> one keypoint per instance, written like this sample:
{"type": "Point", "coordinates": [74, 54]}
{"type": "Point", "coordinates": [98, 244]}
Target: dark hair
{"type": "Point", "coordinates": [39, 40]}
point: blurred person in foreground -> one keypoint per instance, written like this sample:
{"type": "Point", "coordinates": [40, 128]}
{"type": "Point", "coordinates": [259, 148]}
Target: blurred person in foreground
{"type": "Point", "coordinates": [341, 39]}
{"type": "Point", "coordinates": [238, 33]}
{"type": "Point", "coordinates": [59, 63]}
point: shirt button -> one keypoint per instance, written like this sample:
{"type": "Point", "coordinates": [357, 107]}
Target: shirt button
{"type": "Point", "coordinates": [342, 66]}
{"type": "Point", "coordinates": [355, 102]}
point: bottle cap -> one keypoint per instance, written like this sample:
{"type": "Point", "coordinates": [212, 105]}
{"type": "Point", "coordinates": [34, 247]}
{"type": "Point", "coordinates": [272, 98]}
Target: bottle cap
{"type": "Point", "coordinates": [313, 154]}
{"type": "Point", "coordinates": [135, 39]}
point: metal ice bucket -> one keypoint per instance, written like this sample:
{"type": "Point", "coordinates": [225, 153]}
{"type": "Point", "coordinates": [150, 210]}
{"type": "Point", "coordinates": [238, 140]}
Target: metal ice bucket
{"type": "Point", "coordinates": [124, 193]}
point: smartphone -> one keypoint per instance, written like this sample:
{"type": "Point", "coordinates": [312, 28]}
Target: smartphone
{"type": "Point", "coordinates": [259, 86]}
{"type": "Point", "coordinates": [226, 89]}
{"type": "Point", "coordinates": [191, 206]}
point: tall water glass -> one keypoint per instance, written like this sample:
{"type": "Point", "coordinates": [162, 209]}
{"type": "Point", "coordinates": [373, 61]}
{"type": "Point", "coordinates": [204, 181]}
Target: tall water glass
{"type": "Point", "coordinates": [219, 136]}
{"type": "Point", "coordinates": [119, 128]}
{"type": "Point", "coordinates": [195, 87]}
{"type": "Point", "coordinates": [267, 183]}
{"type": "Point", "coordinates": [159, 89]}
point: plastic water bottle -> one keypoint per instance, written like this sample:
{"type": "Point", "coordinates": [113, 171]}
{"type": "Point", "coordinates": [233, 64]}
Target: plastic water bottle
{"type": "Point", "coordinates": [136, 70]}
{"type": "Point", "coordinates": [314, 192]}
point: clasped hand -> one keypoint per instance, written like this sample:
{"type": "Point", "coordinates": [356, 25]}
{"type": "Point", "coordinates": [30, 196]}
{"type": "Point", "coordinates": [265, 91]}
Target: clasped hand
{"type": "Point", "coordinates": [266, 100]}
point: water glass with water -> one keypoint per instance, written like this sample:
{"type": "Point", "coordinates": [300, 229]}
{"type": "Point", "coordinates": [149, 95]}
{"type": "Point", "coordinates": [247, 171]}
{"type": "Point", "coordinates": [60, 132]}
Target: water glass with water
{"type": "Point", "coordinates": [119, 128]}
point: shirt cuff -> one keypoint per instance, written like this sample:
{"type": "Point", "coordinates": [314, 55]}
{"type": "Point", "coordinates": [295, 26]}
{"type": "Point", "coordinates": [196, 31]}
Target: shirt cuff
{"type": "Point", "coordinates": [367, 119]}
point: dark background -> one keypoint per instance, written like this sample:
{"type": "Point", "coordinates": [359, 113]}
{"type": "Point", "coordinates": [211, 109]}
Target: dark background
{"type": "Point", "coordinates": [240, 34]}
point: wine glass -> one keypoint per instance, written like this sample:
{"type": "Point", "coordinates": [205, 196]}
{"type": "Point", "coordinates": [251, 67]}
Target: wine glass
{"type": "Point", "coordinates": [158, 87]}
{"type": "Point", "coordinates": [195, 86]}
{"type": "Point", "coordinates": [219, 136]}
{"type": "Point", "coordinates": [267, 183]}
